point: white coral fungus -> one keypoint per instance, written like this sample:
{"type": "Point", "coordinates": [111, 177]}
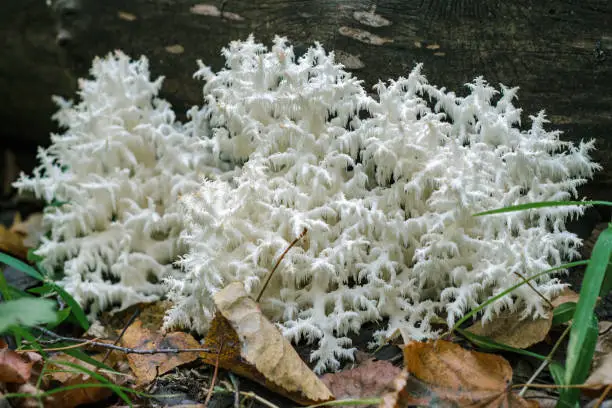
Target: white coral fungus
{"type": "Point", "coordinates": [386, 188]}
{"type": "Point", "coordinates": [115, 177]}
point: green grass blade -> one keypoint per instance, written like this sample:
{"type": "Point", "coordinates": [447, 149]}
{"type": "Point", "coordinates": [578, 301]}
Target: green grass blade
{"type": "Point", "coordinates": [77, 311]}
{"type": "Point", "coordinates": [84, 357]}
{"type": "Point", "coordinates": [566, 400]}
{"type": "Point", "coordinates": [20, 265]}
{"type": "Point", "coordinates": [62, 315]}
{"type": "Point", "coordinates": [32, 257]}
{"type": "Point", "coordinates": [606, 285]}
{"type": "Point", "coordinates": [510, 289]}
{"type": "Point", "coordinates": [4, 287]}
{"type": "Point", "coordinates": [563, 313]}
{"type": "Point", "coordinates": [541, 204]}
{"type": "Point", "coordinates": [583, 317]}
{"type": "Point", "coordinates": [43, 290]}
{"type": "Point", "coordinates": [22, 332]}
{"type": "Point", "coordinates": [486, 342]}
{"type": "Point", "coordinates": [584, 355]}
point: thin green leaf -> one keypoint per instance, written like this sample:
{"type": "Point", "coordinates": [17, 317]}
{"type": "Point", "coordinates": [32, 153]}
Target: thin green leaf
{"type": "Point", "coordinates": [77, 311]}
{"type": "Point", "coordinates": [606, 285]}
{"type": "Point", "coordinates": [62, 315]}
{"type": "Point", "coordinates": [57, 203]}
{"type": "Point", "coordinates": [563, 313]}
{"type": "Point", "coordinates": [583, 317]}
{"type": "Point", "coordinates": [18, 293]}
{"type": "Point", "coordinates": [557, 371]}
{"type": "Point", "coordinates": [43, 290]}
{"type": "Point", "coordinates": [26, 312]}
{"type": "Point", "coordinates": [510, 289]}
{"type": "Point", "coordinates": [20, 265]}
{"type": "Point", "coordinates": [584, 354]}
{"type": "Point", "coordinates": [4, 287]}
{"type": "Point", "coordinates": [19, 331]}
{"type": "Point", "coordinates": [541, 204]}
{"type": "Point", "coordinates": [32, 256]}
{"type": "Point", "coordinates": [483, 341]}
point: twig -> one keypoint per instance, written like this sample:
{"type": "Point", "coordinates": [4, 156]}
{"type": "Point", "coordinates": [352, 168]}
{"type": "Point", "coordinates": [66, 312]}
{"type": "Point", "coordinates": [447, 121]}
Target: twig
{"type": "Point", "coordinates": [548, 302]}
{"type": "Point", "coordinates": [126, 350]}
{"type": "Point", "coordinates": [128, 324]}
{"type": "Point", "coordinates": [83, 344]}
{"type": "Point", "coordinates": [214, 378]}
{"type": "Point", "coordinates": [546, 361]}
{"type": "Point", "coordinates": [602, 398]}
{"type": "Point", "coordinates": [236, 385]}
{"type": "Point", "coordinates": [256, 397]}
{"type": "Point", "coordinates": [295, 241]}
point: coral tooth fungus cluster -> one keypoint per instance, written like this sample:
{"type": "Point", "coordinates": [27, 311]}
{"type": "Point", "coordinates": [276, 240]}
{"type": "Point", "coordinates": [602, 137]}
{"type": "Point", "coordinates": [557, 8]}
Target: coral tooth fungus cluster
{"type": "Point", "coordinates": [386, 186]}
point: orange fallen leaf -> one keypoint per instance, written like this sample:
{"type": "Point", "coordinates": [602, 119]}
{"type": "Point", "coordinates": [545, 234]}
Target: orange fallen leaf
{"type": "Point", "coordinates": [446, 373]}
{"type": "Point", "coordinates": [12, 243]}
{"type": "Point", "coordinates": [508, 328]}
{"type": "Point", "coordinates": [253, 347]}
{"type": "Point", "coordinates": [146, 367]}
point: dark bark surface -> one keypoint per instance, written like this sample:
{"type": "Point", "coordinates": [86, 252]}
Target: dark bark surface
{"type": "Point", "coordinates": [558, 51]}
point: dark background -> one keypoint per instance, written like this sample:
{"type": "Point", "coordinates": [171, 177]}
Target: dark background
{"type": "Point", "coordinates": [559, 53]}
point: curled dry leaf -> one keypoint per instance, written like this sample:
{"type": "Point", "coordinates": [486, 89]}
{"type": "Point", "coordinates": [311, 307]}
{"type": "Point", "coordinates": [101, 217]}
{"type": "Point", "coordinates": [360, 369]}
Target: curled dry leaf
{"type": "Point", "coordinates": [444, 372]}
{"type": "Point", "coordinates": [370, 379]}
{"type": "Point", "coordinates": [148, 366]}
{"type": "Point", "coordinates": [508, 328]}
{"type": "Point", "coordinates": [251, 346]}
{"type": "Point", "coordinates": [14, 368]}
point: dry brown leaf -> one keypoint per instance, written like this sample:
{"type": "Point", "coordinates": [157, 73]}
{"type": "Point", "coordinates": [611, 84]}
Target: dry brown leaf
{"type": "Point", "coordinates": [370, 379]}
{"type": "Point", "coordinates": [66, 376]}
{"type": "Point", "coordinates": [12, 243]}
{"type": "Point", "coordinates": [509, 329]}
{"type": "Point", "coordinates": [253, 347]}
{"type": "Point", "coordinates": [146, 367]}
{"type": "Point", "coordinates": [14, 368]}
{"type": "Point", "coordinates": [453, 375]}
{"type": "Point", "coordinates": [567, 295]}
{"type": "Point", "coordinates": [30, 230]}
{"type": "Point", "coordinates": [30, 402]}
